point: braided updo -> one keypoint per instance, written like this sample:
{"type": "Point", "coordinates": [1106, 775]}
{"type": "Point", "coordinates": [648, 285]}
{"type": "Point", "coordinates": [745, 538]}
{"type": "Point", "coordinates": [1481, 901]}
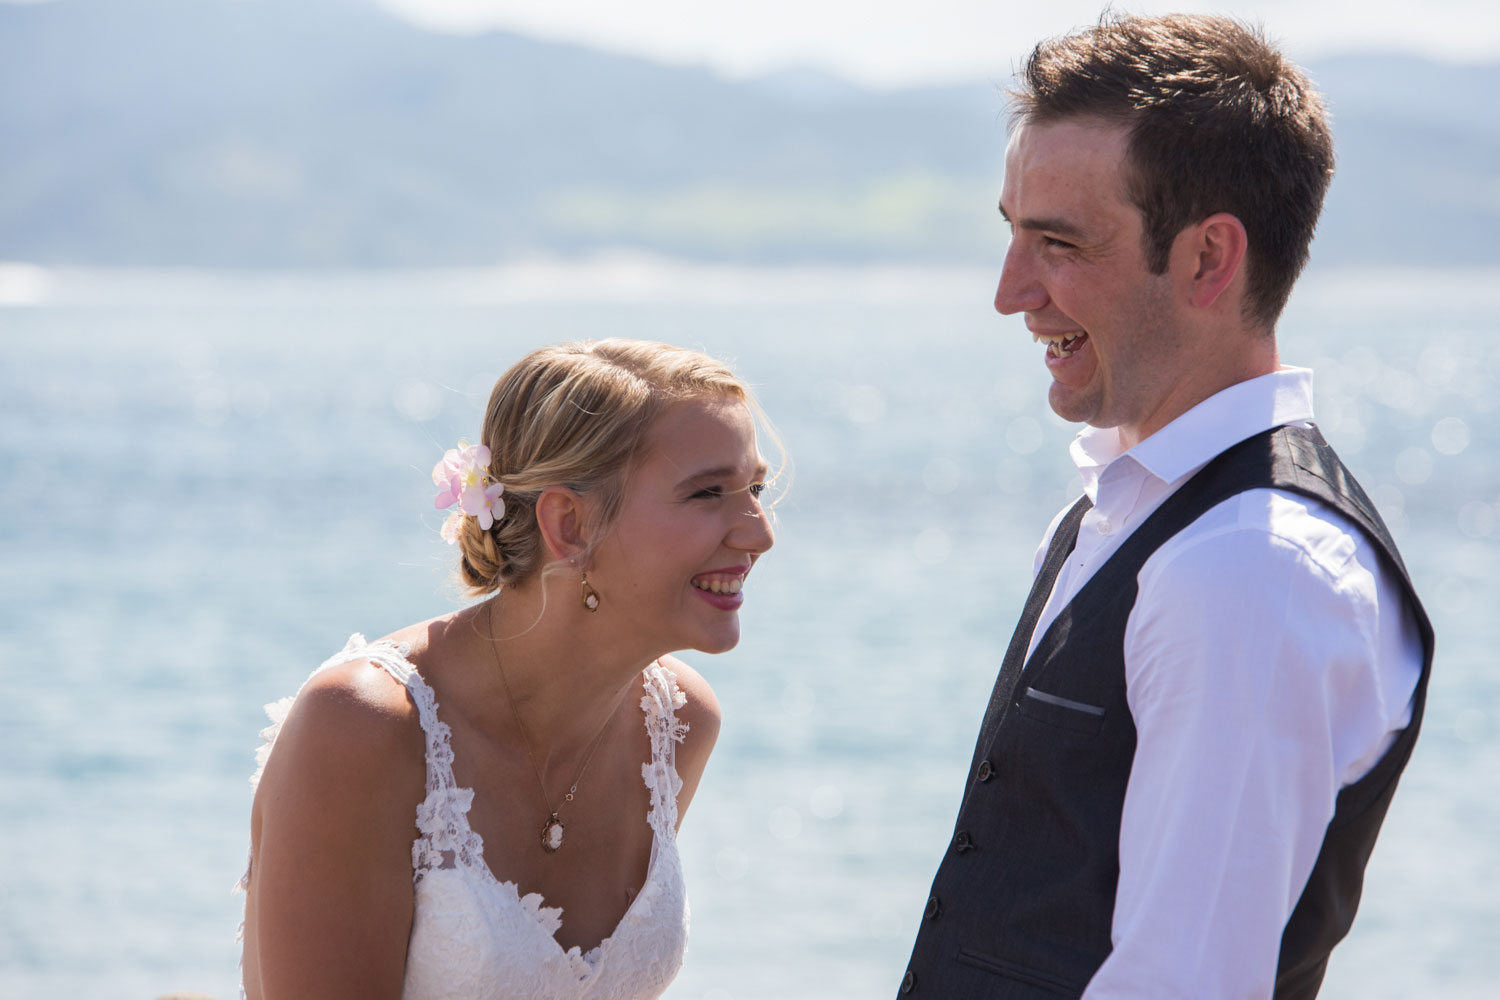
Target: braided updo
{"type": "Point", "coordinates": [574, 415]}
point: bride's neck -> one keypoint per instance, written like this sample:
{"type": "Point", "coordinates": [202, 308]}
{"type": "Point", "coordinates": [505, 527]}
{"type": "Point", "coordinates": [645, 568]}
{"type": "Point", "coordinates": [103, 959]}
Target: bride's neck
{"type": "Point", "coordinates": [562, 670]}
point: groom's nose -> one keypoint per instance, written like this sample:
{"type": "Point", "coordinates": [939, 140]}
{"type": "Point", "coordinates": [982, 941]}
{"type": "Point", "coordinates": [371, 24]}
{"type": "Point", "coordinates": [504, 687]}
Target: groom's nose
{"type": "Point", "coordinates": [1020, 288]}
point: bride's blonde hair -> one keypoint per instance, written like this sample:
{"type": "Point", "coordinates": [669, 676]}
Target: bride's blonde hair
{"type": "Point", "coordinates": [575, 415]}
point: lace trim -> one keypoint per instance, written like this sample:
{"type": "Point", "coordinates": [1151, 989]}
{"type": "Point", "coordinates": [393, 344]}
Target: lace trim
{"type": "Point", "coordinates": [446, 839]}
{"type": "Point", "coordinates": [660, 704]}
{"type": "Point", "coordinates": [442, 817]}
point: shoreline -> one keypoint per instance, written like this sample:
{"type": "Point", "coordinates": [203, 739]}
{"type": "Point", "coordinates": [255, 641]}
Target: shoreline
{"type": "Point", "coordinates": [647, 279]}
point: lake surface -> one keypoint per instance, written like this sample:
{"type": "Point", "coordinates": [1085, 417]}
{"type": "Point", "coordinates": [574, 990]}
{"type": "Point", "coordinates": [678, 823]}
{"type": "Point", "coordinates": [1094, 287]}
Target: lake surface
{"type": "Point", "coordinates": [208, 481]}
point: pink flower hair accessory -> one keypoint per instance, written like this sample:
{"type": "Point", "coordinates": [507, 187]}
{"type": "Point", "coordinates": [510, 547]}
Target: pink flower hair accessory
{"type": "Point", "coordinates": [463, 478]}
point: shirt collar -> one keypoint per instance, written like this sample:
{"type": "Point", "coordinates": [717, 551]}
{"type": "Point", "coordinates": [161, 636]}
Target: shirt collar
{"type": "Point", "coordinates": [1188, 443]}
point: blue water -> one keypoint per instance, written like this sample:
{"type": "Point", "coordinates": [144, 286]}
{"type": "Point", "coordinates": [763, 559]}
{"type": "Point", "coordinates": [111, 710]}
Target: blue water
{"type": "Point", "coordinates": [207, 482]}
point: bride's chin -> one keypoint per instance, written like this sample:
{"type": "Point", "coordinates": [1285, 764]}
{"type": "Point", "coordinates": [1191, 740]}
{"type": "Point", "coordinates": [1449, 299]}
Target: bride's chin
{"type": "Point", "coordinates": [719, 645]}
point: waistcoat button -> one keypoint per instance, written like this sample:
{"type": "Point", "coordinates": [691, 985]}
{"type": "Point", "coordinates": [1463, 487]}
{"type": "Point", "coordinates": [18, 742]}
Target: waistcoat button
{"type": "Point", "coordinates": [934, 908]}
{"type": "Point", "coordinates": [908, 982]}
{"type": "Point", "coordinates": [985, 770]}
{"type": "Point", "coordinates": [963, 842]}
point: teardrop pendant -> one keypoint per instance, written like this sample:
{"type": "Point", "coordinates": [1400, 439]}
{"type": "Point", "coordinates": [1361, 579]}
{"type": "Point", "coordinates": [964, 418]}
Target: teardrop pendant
{"type": "Point", "coordinates": [552, 834]}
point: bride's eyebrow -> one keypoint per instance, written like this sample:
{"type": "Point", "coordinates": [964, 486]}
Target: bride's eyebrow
{"type": "Point", "coordinates": [723, 472]}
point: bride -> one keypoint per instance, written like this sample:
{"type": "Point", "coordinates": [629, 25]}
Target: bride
{"type": "Point", "coordinates": [486, 804]}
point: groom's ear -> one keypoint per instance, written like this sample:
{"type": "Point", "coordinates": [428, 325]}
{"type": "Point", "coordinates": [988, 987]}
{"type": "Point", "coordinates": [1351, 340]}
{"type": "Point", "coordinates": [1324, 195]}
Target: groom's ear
{"type": "Point", "coordinates": [1214, 255]}
{"type": "Point", "coordinates": [562, 516]}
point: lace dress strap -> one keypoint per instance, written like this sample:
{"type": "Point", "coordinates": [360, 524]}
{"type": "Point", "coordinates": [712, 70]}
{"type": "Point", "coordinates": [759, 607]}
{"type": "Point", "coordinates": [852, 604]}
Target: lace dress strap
{"type": "Point", "coordinates": [659, 705]}
{"type": "Point", "coordinates": [443, 815]}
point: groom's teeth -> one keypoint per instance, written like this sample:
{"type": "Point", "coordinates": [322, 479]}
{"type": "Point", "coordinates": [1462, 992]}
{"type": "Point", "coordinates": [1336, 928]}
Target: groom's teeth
{"type": "Point", "coordinates": [1059, 345]}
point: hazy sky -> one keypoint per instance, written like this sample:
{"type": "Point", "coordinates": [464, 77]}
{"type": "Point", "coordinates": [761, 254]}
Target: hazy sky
{"type": "Point", "coordinates": [889, 43]}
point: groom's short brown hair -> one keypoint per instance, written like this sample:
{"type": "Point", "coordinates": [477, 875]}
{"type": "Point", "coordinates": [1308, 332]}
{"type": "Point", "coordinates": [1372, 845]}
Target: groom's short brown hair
{"type": "Point", "coordinates": [1219, 121]}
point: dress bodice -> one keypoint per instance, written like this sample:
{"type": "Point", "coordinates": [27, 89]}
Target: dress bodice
{"type": "Point", "coordinates": [474, 936]}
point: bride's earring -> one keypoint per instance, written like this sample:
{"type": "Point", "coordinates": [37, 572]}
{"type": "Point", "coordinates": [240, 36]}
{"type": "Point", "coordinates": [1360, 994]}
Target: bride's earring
{"type": "Point", "coordinates": [589, 595]}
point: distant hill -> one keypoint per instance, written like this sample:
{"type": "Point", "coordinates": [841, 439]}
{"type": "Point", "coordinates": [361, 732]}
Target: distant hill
{"type": "Point", "coordinates": [294, 133]}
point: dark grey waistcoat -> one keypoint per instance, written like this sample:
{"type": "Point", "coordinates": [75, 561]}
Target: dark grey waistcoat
{"type": "Point", "coordinates": [1022, 902]}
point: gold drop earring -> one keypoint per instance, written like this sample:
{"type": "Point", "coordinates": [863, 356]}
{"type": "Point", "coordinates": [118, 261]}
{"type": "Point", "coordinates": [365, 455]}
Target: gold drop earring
{"type": "Point", "coordinates": [589, 595]}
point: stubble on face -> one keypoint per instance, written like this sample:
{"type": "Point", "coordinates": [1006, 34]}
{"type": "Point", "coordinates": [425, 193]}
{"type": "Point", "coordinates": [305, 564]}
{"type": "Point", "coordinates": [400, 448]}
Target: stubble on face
{"type": "Point", "coordinates": [1079, 262]}
{"type": "Point", "coordinates": [1137, 368]}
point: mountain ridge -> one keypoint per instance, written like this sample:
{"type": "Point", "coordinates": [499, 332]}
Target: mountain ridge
{"type": "Point", "coordinates": [273, 133]}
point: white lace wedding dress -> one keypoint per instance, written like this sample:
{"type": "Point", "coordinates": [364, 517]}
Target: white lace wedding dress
{"type": "Point", "coordinates": [474, 937]}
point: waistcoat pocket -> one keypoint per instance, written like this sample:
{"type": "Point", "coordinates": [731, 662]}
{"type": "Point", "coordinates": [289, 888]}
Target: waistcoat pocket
{"type": "Point", "coordinates": [1062, 712]}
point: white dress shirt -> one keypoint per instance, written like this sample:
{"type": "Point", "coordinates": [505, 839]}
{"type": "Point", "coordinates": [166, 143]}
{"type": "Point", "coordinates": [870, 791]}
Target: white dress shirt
{"type": "Point", "coordinates": [1269, 662]}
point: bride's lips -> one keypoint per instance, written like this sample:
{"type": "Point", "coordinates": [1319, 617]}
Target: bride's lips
{"type": "Point", "coordinates": [721, 587]}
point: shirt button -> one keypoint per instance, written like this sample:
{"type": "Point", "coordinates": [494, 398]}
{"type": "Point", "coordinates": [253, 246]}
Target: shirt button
{"type": "Point", "coordinates": [934, 908]}
{"type": "Point", "coordinates": [963, 842]}
{"type": "Point", "coordinates": [986, 772]}
{"type": "Point", "coordinates": [908, 982]}
{"type": "Point", "coordinates": [1104, 527]}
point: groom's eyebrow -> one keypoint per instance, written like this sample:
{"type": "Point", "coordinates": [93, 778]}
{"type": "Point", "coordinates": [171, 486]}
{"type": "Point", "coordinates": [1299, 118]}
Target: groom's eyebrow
{"type": "Point", "coordinates": [1061, 227]}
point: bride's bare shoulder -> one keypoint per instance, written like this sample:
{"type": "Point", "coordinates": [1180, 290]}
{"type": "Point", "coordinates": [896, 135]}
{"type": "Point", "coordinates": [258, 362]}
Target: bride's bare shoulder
{"type": "Point", "coordinates": [701, 705]}
{"type": "Point", "coordinates": [700, 711]}
{"type": "Point", "coordinates": [331, 830]}
{"type": "Point", "coordinates": [351, 718]}
{"type": "Point", "coordinates": [700, 708]}
{"type": "Point", "coordinates": [427, 644]}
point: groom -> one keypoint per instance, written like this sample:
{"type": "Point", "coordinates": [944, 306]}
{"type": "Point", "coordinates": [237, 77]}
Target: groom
{"type": "Point", "coordinates": [1220, 671]}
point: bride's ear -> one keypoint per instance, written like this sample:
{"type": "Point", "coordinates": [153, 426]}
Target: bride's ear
{"type": "Point", "coordinates": [562, 517]}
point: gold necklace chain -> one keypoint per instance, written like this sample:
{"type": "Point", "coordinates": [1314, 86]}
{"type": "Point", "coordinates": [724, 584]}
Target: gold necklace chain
{"type": "Point", "coordinates": [553, 831]}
